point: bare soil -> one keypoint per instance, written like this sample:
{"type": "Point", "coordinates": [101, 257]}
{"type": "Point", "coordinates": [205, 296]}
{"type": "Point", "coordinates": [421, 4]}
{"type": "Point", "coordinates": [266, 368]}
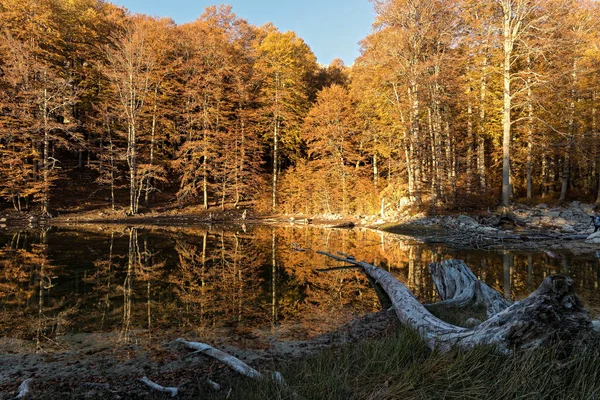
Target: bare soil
{"type": "Point", "coordinates": [99, 365]}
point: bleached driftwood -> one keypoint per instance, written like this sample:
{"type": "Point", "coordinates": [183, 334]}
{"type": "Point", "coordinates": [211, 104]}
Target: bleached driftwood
{"type": "Point", "coordinates": [552, 312]}
{"type": "Point", "coordinates": [24, 389]}
{"type": "Point", "coordinates": [156, 386]}
{"type": "Point", "coordinates": [235, 363]}
{"type": "Point", "coordinates": [232, 362]}
{"type": "Point", "coordinates": [213, 385]}
{"type": "Point", "coordinates": [458, 287]}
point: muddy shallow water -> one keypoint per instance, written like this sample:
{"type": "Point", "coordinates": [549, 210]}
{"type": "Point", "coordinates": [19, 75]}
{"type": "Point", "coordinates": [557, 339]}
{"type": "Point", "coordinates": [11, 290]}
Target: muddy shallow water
{"type": "Point", "coordinates": [70, 299]}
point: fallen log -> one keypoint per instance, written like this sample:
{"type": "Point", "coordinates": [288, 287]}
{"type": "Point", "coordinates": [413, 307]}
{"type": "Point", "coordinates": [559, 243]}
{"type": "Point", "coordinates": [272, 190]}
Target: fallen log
{"type": "Point", "coordinates": [552, 313]}
{"type": "Point", "coordinates": [458, 287]}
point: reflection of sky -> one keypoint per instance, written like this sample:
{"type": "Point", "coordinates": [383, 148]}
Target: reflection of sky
{"type": "Point", "coordinates": [225, 283]}
{"type": "Point", "coordinates": [331, 28]}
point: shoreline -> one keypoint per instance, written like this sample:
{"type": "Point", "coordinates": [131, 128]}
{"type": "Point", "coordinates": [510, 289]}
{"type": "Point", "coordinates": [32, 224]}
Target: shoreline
{"type": "Point", "coordinates": [521, 226]}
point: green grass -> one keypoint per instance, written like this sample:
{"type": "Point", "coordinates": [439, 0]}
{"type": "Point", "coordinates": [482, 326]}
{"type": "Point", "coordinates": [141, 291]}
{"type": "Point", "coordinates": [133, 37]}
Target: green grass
{"type": "Point", "coordinates": [401, 367]}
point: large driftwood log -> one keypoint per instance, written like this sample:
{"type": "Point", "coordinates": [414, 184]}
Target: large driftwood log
{"type": "Point", "coordinates": [553, 312]}
{"type": "Point", "coordinates": [458, 287]}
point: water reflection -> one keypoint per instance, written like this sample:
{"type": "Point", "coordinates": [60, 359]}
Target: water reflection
{"type": "Point", "coordinates": [245, 286]}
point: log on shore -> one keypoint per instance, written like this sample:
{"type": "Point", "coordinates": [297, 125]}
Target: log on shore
{"type": "Point", "coordinates": [552, 313]}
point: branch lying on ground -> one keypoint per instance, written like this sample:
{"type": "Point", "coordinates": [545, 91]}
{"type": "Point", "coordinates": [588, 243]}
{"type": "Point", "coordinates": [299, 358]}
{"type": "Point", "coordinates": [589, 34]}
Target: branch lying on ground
{"type": "Point", "coordinates": [233, 362]}
{"type": "Point", "coordinates": [156, 386]}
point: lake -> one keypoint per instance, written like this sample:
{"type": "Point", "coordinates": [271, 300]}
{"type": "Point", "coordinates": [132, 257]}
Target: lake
{"type": "Point", "coordinates": [238, 285]}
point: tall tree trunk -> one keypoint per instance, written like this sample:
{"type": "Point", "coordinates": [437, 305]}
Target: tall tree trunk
{"type": "Point", "coordinates": [46, 161]}
{"type": "Point", "coordinates": [529, 166]}
{"type": "Point", "coordinates": [566, 172]}
{"type": "Point", "coordinates": [275, 143]}
{"type": "Point", "coordinates": [506, 121]}
{"type": "Point", "coordinates": [470, 140]}
{"type": "Point", "coordinates": [112, 167]}
{"type": "Point", "coordinates": [434, 163]}
{"type": "Point", "coordinates": [375, 171]}
{"type": "Point", "coordinates": [152, 143]}
{"type": "Point", "coordinates": [205, 128]}
{"type": "Point", "coordinates": [415, 163]}
{"type": "Point", "coordinates": [481, 170]}
{"type": "Point", "coordinates": [132, 162]}
{"type": "Point", "coordinates": [406, 147]}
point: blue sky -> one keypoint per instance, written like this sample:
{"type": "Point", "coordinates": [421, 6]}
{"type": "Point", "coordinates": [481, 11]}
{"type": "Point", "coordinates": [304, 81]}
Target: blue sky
{"type": "Point", "coordinates": [332, 28]}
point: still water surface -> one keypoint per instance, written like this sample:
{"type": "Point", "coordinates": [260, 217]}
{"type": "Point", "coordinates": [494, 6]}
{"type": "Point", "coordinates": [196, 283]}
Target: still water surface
{"type": "Point", "coordinates": [239, 286]}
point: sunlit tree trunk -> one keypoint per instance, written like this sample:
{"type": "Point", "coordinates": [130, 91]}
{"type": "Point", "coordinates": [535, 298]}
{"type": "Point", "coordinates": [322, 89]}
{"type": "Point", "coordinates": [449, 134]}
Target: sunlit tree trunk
{"type": "Point", "coordinates": [152, 143]}
{"type": "Point", "coordinates": [529, 165]}
{"type": "Point", "coordinates": [508, 33]}
{"type": "Point", "coordinates": [481, 170]}
{"type": "Point", "coordinates": [415, 143]}
{"type": "Point", "coordinates": [275, 142]}
{"type": "Point", "coordinates": [470, 140]}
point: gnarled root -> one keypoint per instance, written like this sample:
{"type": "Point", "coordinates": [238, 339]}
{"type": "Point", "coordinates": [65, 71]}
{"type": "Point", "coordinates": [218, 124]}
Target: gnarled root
{"type": "Point", "coordinates": [459, 287]}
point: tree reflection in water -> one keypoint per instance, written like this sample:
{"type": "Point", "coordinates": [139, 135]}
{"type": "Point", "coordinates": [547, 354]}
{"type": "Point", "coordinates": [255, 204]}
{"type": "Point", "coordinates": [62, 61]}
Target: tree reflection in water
{"type": "Point", "coordinates": [242, 286]}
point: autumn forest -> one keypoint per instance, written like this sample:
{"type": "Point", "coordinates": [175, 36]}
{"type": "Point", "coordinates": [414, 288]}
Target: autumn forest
{"type": "Point", "coordinates": [451, 104]}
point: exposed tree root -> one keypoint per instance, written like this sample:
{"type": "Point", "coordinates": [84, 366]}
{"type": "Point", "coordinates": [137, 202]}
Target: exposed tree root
{"type": "Point", "coordinates": [459, 287]}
